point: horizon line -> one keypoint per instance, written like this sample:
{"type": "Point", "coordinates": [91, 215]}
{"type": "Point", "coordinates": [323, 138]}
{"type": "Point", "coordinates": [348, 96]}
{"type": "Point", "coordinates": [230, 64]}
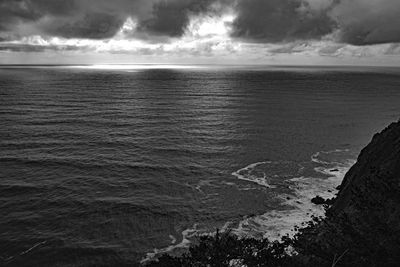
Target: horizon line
{"type": "Point", "coordinates": [196, 64]}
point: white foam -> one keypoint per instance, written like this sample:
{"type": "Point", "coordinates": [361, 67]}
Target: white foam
{"type": "Point", "coordinates": [173, 239]}
{"type": "Point", "coordinates": [315, 157]}
{"type": "Point", "coordinates": [252, 178]}
{"type": "Point", "coordinates": [186, 235]}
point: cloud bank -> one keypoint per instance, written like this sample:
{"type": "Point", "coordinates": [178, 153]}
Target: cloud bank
{"type": "Point", "coordinates": [160, 26]}
{"type": "Point", "coordinates": [357, 22]}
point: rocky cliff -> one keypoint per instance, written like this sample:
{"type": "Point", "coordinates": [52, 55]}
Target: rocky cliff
{"type": "Point", "coordinates": [362, 228]}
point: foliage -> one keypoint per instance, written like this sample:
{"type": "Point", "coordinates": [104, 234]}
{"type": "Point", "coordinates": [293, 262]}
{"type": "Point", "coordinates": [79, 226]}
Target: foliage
{"type": "Point", "coordinates": [226, 249]}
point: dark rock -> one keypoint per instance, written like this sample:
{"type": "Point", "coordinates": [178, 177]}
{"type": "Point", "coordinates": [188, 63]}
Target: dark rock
{"type": "Point", "coordinates": [321, 201]}
{"type": "Point", "coordinates": [318, 200]}
{"type": "Point", "coordinates": [364, 220]}
{"type": "Point", "coordinates": [334, 170]}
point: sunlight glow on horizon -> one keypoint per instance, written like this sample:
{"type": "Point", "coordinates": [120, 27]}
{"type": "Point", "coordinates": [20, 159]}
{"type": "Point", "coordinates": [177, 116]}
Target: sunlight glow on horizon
{"type": "Point", "coordinates": [136, 66]}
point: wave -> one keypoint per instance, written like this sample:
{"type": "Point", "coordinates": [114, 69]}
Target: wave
{"type": "Point", "coordinates": [10, 190]}
{"type": "Point", "coordinates": [269, 174]}
{"type": "Point", "coordinates": [11, 258]}
{"type": "Point", "coordinates": [83, 163]}
{"type": "Point", "coordinates": [246, 174]}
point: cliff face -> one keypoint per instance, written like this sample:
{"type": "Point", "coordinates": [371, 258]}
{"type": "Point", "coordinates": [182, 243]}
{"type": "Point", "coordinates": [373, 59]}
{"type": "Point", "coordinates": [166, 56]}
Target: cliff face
{"type": "Point", "coordinates": [363, 224]}
{"type": "Point", "coordinates": [376, 175]}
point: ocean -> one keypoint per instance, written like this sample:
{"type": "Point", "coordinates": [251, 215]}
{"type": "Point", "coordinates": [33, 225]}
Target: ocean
{"type": "Point", "coordinates": [112, 165]}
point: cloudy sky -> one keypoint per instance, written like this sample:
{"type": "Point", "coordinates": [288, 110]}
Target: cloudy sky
{"type": "Point", "coordinates": [355, 32]}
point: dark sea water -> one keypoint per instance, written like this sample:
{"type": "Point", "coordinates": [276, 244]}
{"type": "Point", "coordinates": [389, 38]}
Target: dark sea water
{"type": "Point", "coordinates": [115, 166]}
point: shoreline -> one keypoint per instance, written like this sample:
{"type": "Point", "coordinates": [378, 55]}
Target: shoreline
{"type": "Point", "coordinates": [295, 210]}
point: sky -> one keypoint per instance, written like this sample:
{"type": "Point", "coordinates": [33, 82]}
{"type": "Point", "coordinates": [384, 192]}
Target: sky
{"type": "Point", "coordinates": [272, 32]}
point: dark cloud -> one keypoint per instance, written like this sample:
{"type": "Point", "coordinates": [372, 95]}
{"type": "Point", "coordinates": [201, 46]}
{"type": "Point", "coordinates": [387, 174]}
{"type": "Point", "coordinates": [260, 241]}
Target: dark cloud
{"type": "Point", "coordinates": [94, 19]}
{"type": "Point", "coordinates": [38, 48]}
{"type": "Point", "coordinates": [100, 19]}
{"type": "Point", "coordinates": [92, 26]}
{"type": "Point", "coordinates": [275, 21]}
{"type": "Point", "coordinates": [167, 19]}
{"type": "Point", "coordinates": [12, 12]}
{"type": "Point", "coordinates": [171, 18]}
{"type": "Point", "coordinates": [369, 22]}
{"type": "Point", "coordinates": [357, 22]}
{"type": "Point", "coordinates": [54, 7]}
{"type": "Point", "coordinates": [16, 11]}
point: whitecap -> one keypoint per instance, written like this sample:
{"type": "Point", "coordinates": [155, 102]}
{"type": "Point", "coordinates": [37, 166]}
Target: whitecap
{"type": "Point", "coordinates": [246, 174]}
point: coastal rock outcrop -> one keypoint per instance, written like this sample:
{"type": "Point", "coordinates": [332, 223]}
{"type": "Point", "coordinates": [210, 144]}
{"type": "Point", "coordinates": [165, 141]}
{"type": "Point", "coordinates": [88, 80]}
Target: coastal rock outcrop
{"type": "Point", "coordinates": [362, 227]}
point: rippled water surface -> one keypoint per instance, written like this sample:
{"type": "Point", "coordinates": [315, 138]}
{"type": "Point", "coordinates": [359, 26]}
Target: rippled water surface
{"type": "Point", "coordinates": [102, 165]}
